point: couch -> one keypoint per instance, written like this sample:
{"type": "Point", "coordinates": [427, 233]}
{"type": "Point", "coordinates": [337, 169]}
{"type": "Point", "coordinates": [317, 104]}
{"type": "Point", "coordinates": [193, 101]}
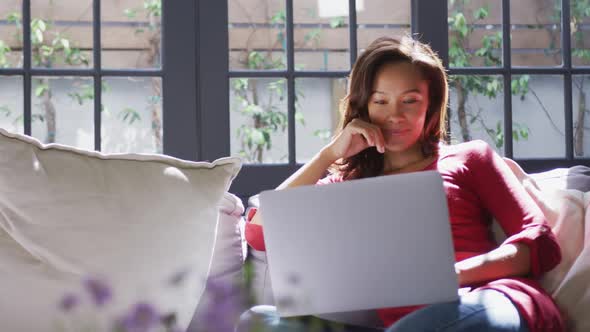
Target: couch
{"type": "Point", "coordinates": [563, 194]}
{"type": "Point", "coordinates": [165, 236]}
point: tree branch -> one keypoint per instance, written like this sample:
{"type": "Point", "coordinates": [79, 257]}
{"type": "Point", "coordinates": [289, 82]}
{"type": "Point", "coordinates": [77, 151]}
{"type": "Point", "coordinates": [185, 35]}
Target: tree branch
{"type": "Point", "coordinates": [545, 111]}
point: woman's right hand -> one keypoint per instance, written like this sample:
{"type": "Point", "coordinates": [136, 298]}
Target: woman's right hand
{"type": "Point", "coordinates": [357, 136]}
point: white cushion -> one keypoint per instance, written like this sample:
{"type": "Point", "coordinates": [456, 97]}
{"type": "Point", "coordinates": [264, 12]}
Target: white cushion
{"type": "Point", "coordinates": [132, 220]}
{"type": "Point", "coordinates": [567, 212]}
{"type": "Point", "coordinates": [226, 277]}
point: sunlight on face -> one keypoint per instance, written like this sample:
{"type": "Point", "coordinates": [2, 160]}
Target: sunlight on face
{"type": "Point", "coordinates": [398, 105]}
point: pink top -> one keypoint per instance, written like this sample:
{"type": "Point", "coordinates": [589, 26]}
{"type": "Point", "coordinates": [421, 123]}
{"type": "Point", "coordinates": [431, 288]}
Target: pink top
{"type": "Point", "coordinates": [479, 185]}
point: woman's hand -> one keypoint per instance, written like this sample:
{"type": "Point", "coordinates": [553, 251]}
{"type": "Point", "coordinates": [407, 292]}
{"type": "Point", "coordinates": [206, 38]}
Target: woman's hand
{"type": "Point", "coordinates": [357, 136]}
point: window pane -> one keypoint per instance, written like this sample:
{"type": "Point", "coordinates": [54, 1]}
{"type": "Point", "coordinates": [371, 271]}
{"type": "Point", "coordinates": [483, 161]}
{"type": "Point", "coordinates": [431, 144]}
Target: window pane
{"type": "Point", "coordinates": [475, 33]}
{"type": "Point", "coordinates": [580, 20]}
{"type": "Point", "coordinates": [258, 119]}
{"type": "Point", "coordinates": [538, 116]}
{"type": "Point", "coordinates": [61, 33]}
{"type": "Point", "coordinates": [536, 33]}
{"type": "Point", "coordinates": [132, 115]}
{"type": "Point", "coordinates": [257, 35]}
{"type": "Point", "coordinates": [10, 34]}
{"type": "Point", "coordinates": [63, 111]}
{"type": "Point", "coordinates": [131, 33]}
{"type": "Point", "coordinates": [317, 113]}
{"type": "Point", "coordinates": [377, 18]}
{"type": "Point", "coordinates": [11, 103]}
{"type": "Point", "coordinates": [321, 35]}
{"type": "Point", "coordinates": [581, 115]}
{"type": "Point", "coordinates": [476, 110]}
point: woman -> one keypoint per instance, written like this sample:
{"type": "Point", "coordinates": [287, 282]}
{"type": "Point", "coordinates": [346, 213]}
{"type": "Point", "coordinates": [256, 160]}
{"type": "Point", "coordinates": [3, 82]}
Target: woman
{"type": "Point", "coordinates": [394, 117]}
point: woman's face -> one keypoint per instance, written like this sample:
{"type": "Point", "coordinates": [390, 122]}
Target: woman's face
{"type": "Point", "coordinates": [398, 105]}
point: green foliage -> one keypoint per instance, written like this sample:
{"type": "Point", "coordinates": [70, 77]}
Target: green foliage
{"type": "Point", "coordinates": [129, 115]}
{"type": "Point", "coordinates": [520, 86]}
{"type": "Point", "coordinates": [150, 8]}
{"type": "Point", "coordinates": [579, 12]}
{"type": "Point", "coordinates": [19, 120]}
{"type": "Point", "coordinates": [265, 117]}
{"type": "Point", "coordinates": [153, 6]}
{"type": "Point", "coordinates": [48, 51]}
{"type": "Point", "coordinates": [519, 132]}
{"type": "Point", "coordinates": [337, 22]}
{"type": "Point", "coordinates": [4, 50]}
{"type": "Point", "coordinates": [323, 134]}
{"type": "Point", "coordinates": [41, 89]}
{"type": "Point", "coordinates": [5, 110]}
{"type": "Point", "coordinates": [490, 86]}
{"type": "Point", "coordinates": [313, 36]}
{"type": "Point", "coordinates": [279, 17]}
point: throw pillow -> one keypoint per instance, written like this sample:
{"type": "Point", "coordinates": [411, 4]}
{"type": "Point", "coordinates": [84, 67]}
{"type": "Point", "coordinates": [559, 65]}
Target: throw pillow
{"type": "Point", "coordinates": [566, 211]}
{"type": "Point", "coordinates": [223, 299]}
{"type": "Point", "coordinates": [143, 224]}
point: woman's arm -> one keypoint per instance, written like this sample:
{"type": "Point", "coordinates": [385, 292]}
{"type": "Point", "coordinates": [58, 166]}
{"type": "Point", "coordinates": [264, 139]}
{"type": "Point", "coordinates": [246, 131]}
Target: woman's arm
{"type": "Point", "coordinates": [308, 174]}
{"type": "Point", "coordinates": [501, 194]}
{"type": "Point", "coordinates": [509, 260]}
{"type": "Point", "coordinates": [354, 138]}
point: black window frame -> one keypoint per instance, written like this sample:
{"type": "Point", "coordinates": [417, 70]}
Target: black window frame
{"type": "Point", "coordinates": [195, 81]}
{"type": "Point", "coordinates": [566, 70]}
{"type": "Point", "coordinates": [177, 72]}
{"type": "Point", "coordinates": [254, 178]}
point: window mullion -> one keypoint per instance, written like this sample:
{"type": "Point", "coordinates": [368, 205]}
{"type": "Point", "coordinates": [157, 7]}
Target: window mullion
{"type": "Point", "coordinates": [96, 26]}
{"type": "Point", "coordinates": [508, 145]}
{"type": "Point", "coordinates": [352, 31]}
{"type": "Point", "coordinates": [290, 82]}
{"type": "Point", "coordinates": [181, 111]}
{"type": "Point", "coordinates": [26, 22]}
{"type": "Point", "coordinates": [567, 81]}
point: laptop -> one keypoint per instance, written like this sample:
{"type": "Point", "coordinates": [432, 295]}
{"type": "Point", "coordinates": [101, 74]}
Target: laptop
{"type": "Point", "coordinates": [359, 245]}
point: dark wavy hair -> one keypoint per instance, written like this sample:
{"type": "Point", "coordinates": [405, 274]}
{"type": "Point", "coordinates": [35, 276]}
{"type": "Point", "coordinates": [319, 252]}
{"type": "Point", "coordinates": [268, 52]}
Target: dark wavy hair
{"type": "Point", "coordinates": [385, 50]}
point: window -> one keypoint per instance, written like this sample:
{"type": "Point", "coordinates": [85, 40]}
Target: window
{"type": "Point", "coordinates": [542, 121]}
{"type": "Point", "coordinates": [92, 74]}
{"type": "Point", "coordinates": [288, 68]}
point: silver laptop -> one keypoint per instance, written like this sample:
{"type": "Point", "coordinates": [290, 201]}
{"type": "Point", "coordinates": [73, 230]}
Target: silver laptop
{"type": "Point", "coordinates": [358, 245]}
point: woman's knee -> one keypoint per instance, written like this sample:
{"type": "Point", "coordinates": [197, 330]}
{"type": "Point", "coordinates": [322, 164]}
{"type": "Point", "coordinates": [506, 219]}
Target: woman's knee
{"type": "Point", "coordinates": [258, 318]}
{"type": "Point", "coordinates": [486, 310]}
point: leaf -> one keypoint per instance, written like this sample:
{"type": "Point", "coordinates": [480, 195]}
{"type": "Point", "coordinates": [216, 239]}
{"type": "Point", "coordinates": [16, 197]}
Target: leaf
{"type": "Point", "coordinates": [13, 17]}
{"type": "Point", "coordinates": [39, 117]}
{"type": "Point", "coordinates": [337, 22]}
{"type": "Point", "coordinates": [65, 43]}
{"type": "Point", "coordinates": [38, 36]}
{"type": "Point", "coordinates": [41, 25]}
{"type": "Point", "coordinates": [41, 89]}
{"type": "Point", "coordinates": [481, 13]}
{"type": "Point", "coordinates": [5, 110]}
{"type": "Point", "coordinates": [130, 12]}
{"type": "Point", "coordinates": [299, 118]}
{"type": "Point", "coordinates": [129, 115]}
{"type": "Point", "coordinates": [323, 134]}
{"type": "Point", "coordinates": [279, 17]}
{"type": "Point", "coordinates": [257, 137]}
{"type": "Point", "coordinates": [267, 139]}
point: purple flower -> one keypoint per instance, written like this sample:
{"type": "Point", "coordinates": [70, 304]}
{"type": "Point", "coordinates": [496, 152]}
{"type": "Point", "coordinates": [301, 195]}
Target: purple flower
{"type": "Point", "coordinates": [99, 291]}
{"type": "Point", "coordinates": [224, 307]}
{"type": "Point", "coordinates": [68, 302]}
{"type": "Point", "coordinates": [142, 318]}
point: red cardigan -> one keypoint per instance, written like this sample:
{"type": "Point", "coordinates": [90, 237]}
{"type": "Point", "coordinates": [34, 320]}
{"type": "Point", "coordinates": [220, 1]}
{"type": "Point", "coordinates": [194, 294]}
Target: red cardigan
{"type": "Point", "coordinates": [479, 185]}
